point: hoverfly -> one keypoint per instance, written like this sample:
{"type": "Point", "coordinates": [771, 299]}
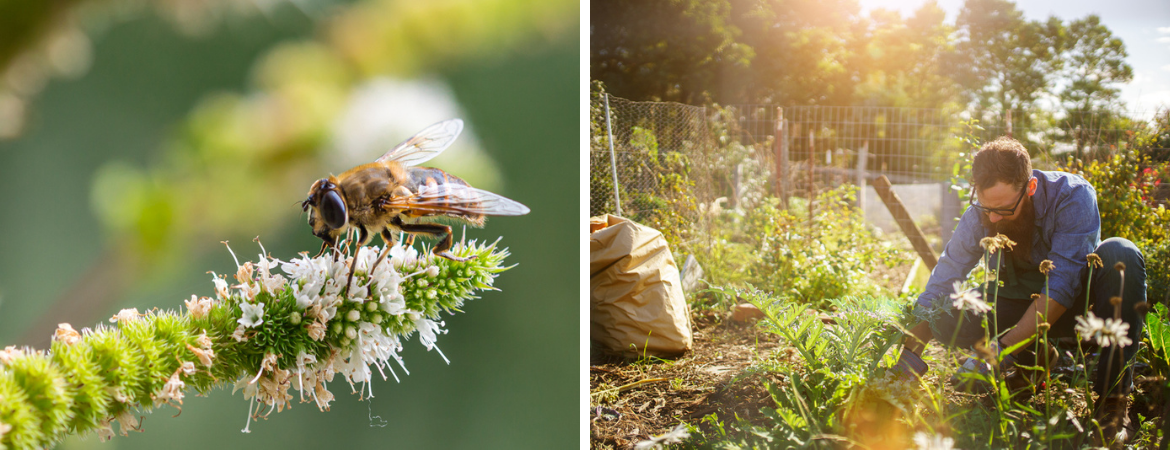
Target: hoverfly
{"type": "Point", "coordinates": [392, 195]}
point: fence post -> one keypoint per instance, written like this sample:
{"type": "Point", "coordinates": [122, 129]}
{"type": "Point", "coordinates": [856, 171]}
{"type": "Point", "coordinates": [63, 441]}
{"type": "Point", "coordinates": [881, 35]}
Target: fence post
{"type": "Point", "coordinates": [781, 157]}
{"type": "Point", "coordinates": [862, 156]}
{"type": "Point", "coordinates": [1009, 123]}
{"type": "Point", "coordinates": [812, 161]}
{"type": "Point", "coordinates": [612, 158]}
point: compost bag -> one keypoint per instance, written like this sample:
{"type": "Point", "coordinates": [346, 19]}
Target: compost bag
{"type": "Point", "coordinates": [636, 303]}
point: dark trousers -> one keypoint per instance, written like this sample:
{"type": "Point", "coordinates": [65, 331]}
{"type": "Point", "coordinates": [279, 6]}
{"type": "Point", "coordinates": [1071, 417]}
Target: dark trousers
{"type": "Point", "coordinates": [1105, 283]}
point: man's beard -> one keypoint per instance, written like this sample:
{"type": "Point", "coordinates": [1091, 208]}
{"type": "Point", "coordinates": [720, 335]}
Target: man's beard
{"type": "Point", "coordinates": [1019, 229]}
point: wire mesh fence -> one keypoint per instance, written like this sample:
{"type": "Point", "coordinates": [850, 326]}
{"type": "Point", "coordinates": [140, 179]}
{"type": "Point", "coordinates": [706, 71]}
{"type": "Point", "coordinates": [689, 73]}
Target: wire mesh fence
{"type": "Point", "coordinates": [644, 156]}
{"type": "Point", "coordinates": [680, 160]}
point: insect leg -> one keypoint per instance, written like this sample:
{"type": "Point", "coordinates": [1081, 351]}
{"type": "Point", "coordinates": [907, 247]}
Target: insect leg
{"type": "Point", "coordinates": [324, 246]}
{"type": "Point", "coordinates": [352, 269]}
{"type": "Point", "coordinates": [388, 239]}
{"type": "Point", "coordinates": [364, 238]}
{"type": "Point", "coordinates": [436, 230]}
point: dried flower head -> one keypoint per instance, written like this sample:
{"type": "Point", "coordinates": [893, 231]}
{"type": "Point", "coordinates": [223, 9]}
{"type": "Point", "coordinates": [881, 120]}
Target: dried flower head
{"type": "Point", "coordinates": [66, 334]}
{"type": "Point", "coordinates": [203, 340]}
{"type": "Point", "coordinates": [1115, 301]}
{"type": "Point", "coordinates": [1004, 242]}
{"type": "Point", "coordinates": [1046, 266]}
{"type": "Point", "coordinates": [11, 353]}
{"type": "Point", "coordinates": [989, 354]}
{"type": "Point", "coordinates": [1120, 266]}
{"type": "Point", "coordinates": [1035, 297]}
{"type": "Point", "coordinates": [205, 355]}
{"type": "Point", "coordinates": [1043, 326]}
{"type": "Point", "coordinates": [126, 315]}
{"type": "Point", "coordinates": [1141, 308]}
{"type": "Point", "coordinates": [199, 307]}
{"type": "Point", "coordinates": [989, 244]}
{"type": "Point", "coordinates": [172, 391]}
{"type": "Point", "coordinates": [1094, 261]}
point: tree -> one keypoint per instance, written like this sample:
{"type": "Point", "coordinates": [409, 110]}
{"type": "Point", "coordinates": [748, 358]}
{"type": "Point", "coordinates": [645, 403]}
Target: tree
{"type": "Point", "coordinates": [806, 50]}
{"type": "Point", "coordinates": [902, 61]}
{"type": "Point", "coordinates": [1004, 62]}
{"type": "Point", "coordinates": [1094, 64]}
{"type": "Point", "coordinates": [678, 50]}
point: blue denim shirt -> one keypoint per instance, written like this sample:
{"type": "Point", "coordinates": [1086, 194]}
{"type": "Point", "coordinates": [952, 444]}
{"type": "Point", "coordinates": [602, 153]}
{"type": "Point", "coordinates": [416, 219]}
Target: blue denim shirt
{"type": "Point", "coordinates": [1068, 227]}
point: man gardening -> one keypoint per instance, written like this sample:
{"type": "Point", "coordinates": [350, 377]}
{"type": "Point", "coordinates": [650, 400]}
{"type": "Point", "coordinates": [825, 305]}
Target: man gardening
{"type": "Point", "coordinates": [1050, 216]}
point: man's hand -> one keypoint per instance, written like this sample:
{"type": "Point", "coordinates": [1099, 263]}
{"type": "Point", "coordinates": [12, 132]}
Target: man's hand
{"type": "Point", "coordinates": [909, 366]}
{"type": "Point", "coordinates": [1043, 310]}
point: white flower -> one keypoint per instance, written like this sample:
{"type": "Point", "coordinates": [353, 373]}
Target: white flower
{"type": "Point", "coordinates": [221, 287]}
{"type": "Point", "coordinates": [428, 331]}
{"type": "Point", "coordinates": [968, 299]}
{"type": "Point", "coordinates": [933, 442]}
{"type": "Point", "coordinates": [306, 296]}
{"type": "Point", "coordinates": [273, 283]}
{"type": "Point", "coordinates": [393, 304]}
{"type": "Point", "coordinates": [248, 290]}
{"type": "Point", "coordinates": [1107, 332]}
{"type": "Point", "coordinates": [246, 385]}
{"type": "Point", "coordinates": [251, 315]}
{"type": "Point", "coordinates": [433, 271]}
{"type": "Point", "coordinates": [675, 436]}
{"type": "Point", "coordinates": [401, 255]}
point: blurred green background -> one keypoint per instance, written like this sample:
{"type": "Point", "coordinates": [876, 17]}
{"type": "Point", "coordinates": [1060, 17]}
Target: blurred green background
{"type": "Point", "coordinates": [189, 123]}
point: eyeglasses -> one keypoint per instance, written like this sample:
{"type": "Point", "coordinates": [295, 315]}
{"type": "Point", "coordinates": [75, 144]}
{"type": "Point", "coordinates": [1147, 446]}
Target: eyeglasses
{"type": "Point", "coordinates": [1001, 211]}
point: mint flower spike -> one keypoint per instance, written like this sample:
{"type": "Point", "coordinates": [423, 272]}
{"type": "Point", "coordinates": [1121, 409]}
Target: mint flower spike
{"type": "Point", "coordinates": [282, 325]}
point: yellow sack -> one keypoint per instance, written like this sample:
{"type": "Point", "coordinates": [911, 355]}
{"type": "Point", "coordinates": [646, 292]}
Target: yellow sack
{"type": "Point", "coordinates": [636, 301]}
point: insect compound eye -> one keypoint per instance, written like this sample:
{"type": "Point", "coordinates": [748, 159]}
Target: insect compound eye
{"type": "Point", "coordinates": [332, 209]}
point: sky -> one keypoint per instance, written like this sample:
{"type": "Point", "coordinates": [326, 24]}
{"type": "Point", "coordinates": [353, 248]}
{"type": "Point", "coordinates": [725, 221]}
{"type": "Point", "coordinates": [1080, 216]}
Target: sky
{"type": "Point", "coordinates": [1144, 26]}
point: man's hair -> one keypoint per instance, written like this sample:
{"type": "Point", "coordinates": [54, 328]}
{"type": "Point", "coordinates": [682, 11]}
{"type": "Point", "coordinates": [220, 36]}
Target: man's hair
{"type": "Point", "coordinates": [1004, 159]}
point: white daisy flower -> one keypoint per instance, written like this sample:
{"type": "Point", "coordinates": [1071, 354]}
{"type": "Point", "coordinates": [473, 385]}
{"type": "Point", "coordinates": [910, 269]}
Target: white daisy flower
{"type": "Point", "coordinates": [968, 299]}
{"type": "Point", "coordinates": [1107, 332]}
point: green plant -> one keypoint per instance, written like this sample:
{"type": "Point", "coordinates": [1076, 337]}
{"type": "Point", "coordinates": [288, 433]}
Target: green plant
{"type": "Point", "coordinates": [1123, 189]}
{"type": "Point", "coordinates": [269, 333]}
{"type": "Point", "coordinates": [832, 378]}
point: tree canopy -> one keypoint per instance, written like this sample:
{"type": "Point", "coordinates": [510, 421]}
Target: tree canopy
{"type": "Point", "coordinates": [808, 52]}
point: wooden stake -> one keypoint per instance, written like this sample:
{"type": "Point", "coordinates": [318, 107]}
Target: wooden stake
{"type": "Point", "coordinates": [894, 204]}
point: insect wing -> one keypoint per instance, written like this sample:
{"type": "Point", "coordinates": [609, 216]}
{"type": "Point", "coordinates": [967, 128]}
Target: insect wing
{"type": "Point", "coordinates": [459, 199]}
{"type": "Point", "coordinates": [426, 144]}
